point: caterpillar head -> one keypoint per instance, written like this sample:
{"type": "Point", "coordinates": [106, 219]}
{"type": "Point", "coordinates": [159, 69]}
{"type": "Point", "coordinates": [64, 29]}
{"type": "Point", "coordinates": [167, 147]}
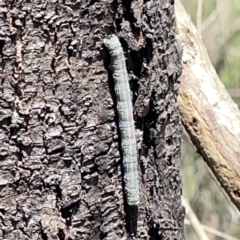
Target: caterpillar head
{"type": "Point", "coordinates": [112, 43]}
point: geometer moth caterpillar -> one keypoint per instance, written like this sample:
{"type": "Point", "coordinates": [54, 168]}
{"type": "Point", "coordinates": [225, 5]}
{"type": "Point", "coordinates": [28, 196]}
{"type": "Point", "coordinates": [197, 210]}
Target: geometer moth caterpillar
{"type": "Point", "coordinates": [126, 123]}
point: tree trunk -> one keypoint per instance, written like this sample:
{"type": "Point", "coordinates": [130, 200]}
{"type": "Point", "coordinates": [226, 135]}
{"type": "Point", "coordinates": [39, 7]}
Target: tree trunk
{"type": "Point", "coordinates": [61, 161]}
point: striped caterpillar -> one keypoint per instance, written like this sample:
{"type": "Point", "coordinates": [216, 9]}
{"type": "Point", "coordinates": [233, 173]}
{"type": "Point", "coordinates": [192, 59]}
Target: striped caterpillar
{"type": "Point", "coordinates": [125, 114]}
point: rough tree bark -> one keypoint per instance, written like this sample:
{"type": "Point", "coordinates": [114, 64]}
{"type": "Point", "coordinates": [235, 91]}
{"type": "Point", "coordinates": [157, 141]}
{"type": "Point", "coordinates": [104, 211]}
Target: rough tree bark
{"type": "Point", "coordinates": [61, 170]}
{"type": "Point", "coordinates": [209, 115]}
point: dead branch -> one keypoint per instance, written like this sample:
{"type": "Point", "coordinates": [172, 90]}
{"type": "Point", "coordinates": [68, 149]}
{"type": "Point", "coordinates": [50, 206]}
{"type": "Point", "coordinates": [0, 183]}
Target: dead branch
{"type": "Point", "coordinates": [209, 115]}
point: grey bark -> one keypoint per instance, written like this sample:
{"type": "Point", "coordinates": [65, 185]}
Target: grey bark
{"type": "Point", "coordinates": [61, 170]}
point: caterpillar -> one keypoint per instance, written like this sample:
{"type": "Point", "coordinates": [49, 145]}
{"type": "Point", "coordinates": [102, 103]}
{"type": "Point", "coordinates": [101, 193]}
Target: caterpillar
{"type": "Point", "coordinates": [126, 122]}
